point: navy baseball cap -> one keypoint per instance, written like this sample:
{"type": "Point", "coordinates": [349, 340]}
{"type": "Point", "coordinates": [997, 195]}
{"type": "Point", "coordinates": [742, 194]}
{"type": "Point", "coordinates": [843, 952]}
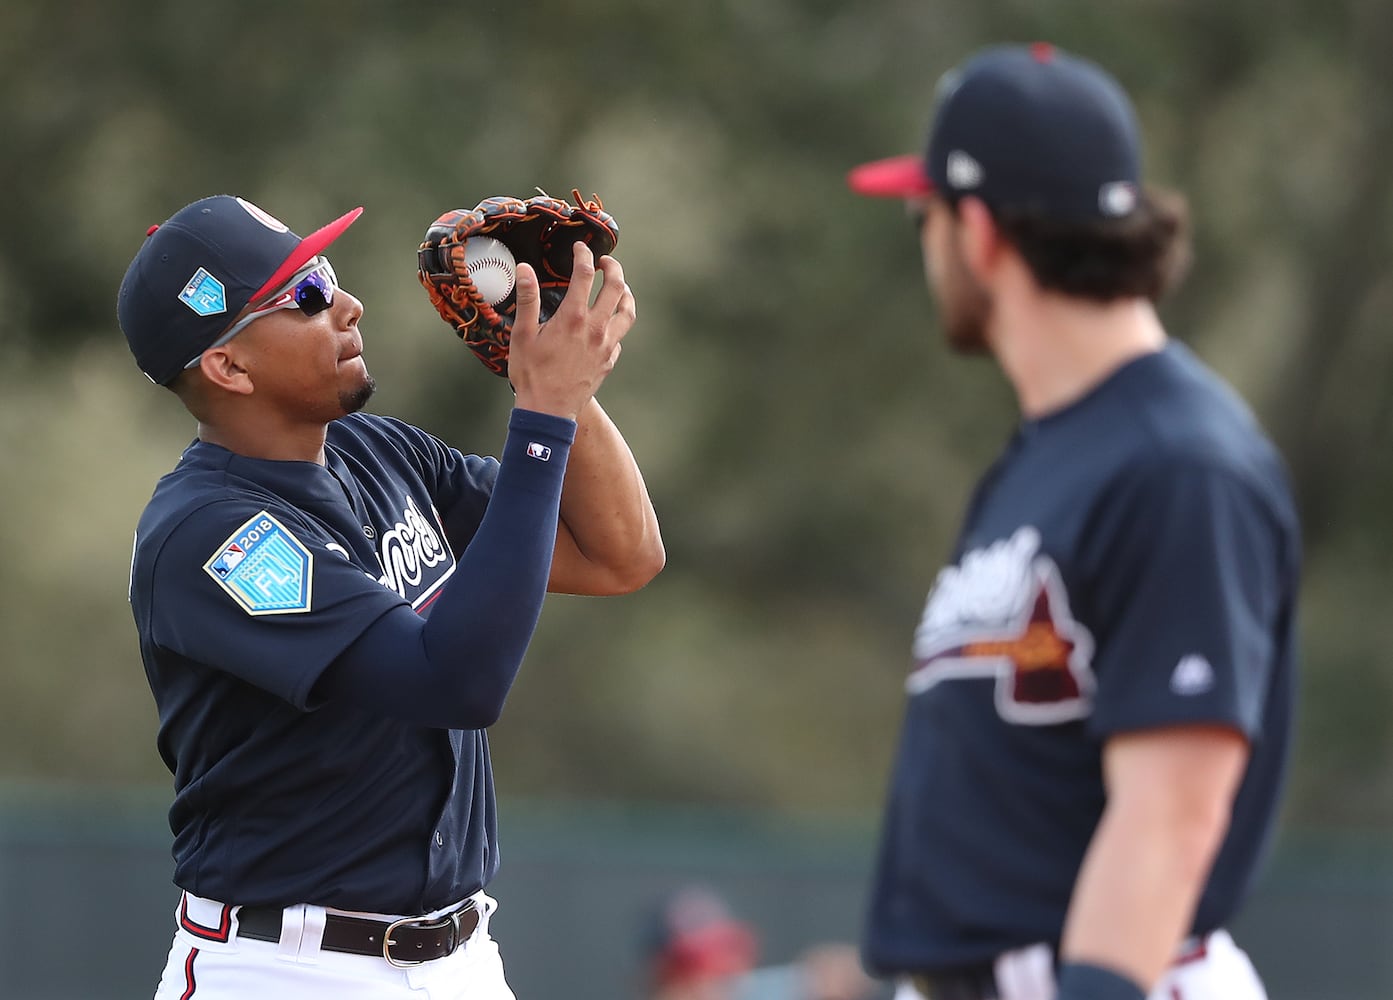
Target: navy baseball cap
{"type": "Point", "coordinates": [198, 270]}
{"type": "Point", "coordinates": [1023, 126]}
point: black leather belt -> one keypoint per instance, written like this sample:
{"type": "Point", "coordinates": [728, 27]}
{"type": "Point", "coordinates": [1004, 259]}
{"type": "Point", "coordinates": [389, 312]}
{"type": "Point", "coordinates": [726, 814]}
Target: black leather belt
{"type": "Point", "coordinates": [976, 983]}
{"type": "Point", "coordinates": [409, 941]}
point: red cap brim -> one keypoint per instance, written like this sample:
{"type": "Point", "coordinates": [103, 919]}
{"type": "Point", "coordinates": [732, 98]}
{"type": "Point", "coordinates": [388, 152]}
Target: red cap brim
{"type": "Point", "coordinates": [896, 177]}
{"type": "Point", "coordinates": [311, 246]}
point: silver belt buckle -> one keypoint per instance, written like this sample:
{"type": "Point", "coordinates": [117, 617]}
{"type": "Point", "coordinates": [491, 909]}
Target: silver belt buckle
{"type": "Point", "coordinates": [450, 919]}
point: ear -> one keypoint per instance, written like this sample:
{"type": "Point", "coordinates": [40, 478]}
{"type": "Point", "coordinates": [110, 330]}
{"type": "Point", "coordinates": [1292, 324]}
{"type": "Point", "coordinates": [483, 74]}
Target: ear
{"type": "Point", "coordinates": [980, 239]}
{"type": "Point", "coordinates": [220, 367]}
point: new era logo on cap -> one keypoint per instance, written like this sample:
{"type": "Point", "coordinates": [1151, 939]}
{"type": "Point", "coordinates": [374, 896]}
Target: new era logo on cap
{"type": "Point", "coordinates": [1117, 199]}
{"type": "Point", "coordinates": [963, 172]}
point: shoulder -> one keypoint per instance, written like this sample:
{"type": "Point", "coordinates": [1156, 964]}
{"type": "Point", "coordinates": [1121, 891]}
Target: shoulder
{"type": "Point", "coordinates": [395, 446]}
{"type": "Point", "coordinates": [382, 437]}
{"type": "Point", "coordinates": [1201, 425]}
{"type": "Point", "coordinates": [202, 479]}
{"type": "Point", "coordinates": [1163, 448]}
{"type": "Point", "coordinates": [1170, 420]}
{"type": "Point", "coordinates": [371, 427]}
{"type": "Point", "coordinates": [214, 537]}
{"type": "Point", "coordinates": [204, 503]}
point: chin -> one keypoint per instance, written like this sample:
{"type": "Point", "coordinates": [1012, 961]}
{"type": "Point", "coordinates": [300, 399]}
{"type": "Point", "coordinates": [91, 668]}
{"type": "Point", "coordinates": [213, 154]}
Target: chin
{"type": "Point", "coordinates": [355, 399]}
{"type": "Point", "coordinates": [965, 325]}
{"type": "Point", "coordinates": [968, 344]}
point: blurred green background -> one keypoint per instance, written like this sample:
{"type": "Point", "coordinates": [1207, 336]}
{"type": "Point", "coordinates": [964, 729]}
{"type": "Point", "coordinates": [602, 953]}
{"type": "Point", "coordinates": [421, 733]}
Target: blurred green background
{"type": "Point", "coordinates": [807, 440]}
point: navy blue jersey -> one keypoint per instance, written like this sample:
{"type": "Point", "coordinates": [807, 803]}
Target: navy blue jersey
{"type": "Point", "coordinates": [249, 577]}
{"type": "Point", "coordinates": [1130, 561]}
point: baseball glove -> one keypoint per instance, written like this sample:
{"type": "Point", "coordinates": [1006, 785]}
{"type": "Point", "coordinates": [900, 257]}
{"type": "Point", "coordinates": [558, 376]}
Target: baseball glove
{"type": "Point", "coordinates": [539, 231]}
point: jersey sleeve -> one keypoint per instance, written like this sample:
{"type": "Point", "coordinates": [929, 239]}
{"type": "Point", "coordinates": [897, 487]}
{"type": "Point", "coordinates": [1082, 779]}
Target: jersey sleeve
{"type": "Point", "coordinates": [1188, 587]}
{"type": "Point", "coordinates": [260, 593]}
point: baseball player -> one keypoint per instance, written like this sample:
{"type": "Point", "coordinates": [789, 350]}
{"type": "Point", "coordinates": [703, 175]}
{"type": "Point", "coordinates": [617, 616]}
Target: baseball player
{"type": "Point", "coordinates": [333, 605]}
{"type": "Point", "coordinates": [1100, 702]}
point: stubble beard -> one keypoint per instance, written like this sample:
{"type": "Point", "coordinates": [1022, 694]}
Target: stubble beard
{"type": "Point", "coordinates": [353, 400]}
{"type": "Point", "coordinates": [966, 327]}
{"type": "Point", "coordinates": [965, 308]}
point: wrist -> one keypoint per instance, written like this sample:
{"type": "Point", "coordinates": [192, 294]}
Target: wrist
{"type": "Point", "coordinates": [534, 454]}
{"type": "Point", "coordinates": [540, 422]}
{"type": "Point", "coordinates": [1085, 981]}
{"type": "Point", "coordinates": [527, 399]}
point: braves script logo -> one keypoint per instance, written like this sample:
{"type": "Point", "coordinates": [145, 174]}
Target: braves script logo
{"type": "Point", "coordinates": [408, 550]}
{"type": "Point", "coordinates": [1003, 613]}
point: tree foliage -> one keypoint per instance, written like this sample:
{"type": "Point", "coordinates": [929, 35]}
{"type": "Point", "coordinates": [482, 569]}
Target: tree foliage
{"type": "Point", "coordinates": [807, 439]}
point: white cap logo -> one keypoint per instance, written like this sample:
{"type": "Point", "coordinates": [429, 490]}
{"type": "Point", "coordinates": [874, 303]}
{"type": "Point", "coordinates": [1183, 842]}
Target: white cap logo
{"type": "Point", "coordinates": [1117, 199]}
{"type": "Point", "coordinates": [264, 217]}
{"type": "Point", "coordinates": [964, 173]}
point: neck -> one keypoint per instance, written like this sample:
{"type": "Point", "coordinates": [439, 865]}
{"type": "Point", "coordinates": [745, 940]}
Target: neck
{"type": "Point", "coordinates": [1054, 349]}
{"type": "Point", "coordinates": [281, 444]}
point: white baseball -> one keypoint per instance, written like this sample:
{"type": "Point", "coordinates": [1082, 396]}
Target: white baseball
{"type": "Point", "coordinates": [491, 267]}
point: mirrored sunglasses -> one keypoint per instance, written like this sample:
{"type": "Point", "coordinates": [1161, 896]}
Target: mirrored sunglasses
{"type": "Point", "coordinates": [311, 291]}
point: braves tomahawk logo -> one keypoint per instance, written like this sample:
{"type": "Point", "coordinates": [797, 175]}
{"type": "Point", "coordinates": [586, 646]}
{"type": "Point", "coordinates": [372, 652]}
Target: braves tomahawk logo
{"type": "Point", "coordinates": [1003, 613]}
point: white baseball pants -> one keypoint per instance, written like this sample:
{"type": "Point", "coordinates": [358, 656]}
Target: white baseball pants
{"type": "Point", "coordinates": [1216, 969]}
{"type": "Point", "coordinates": [201, 967]}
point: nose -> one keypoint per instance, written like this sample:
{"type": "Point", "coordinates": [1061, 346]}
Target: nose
{"type": "Point", "coordinates": [351, 311]}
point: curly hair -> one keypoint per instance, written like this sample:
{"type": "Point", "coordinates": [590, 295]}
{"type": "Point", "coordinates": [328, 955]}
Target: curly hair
{"type": "Point", "coordinates": [1145, 254]}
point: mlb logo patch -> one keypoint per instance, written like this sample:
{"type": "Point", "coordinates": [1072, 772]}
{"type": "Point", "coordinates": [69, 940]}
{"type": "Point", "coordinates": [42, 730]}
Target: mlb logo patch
{"type": "Point", "coordinates": [204, 294]}
{"type": "Point", "coordinates": [264, 568]}
{"type": "Point", "coordinates": [538, 451]}
{"type": "Point", "coordinates": [227, 562]}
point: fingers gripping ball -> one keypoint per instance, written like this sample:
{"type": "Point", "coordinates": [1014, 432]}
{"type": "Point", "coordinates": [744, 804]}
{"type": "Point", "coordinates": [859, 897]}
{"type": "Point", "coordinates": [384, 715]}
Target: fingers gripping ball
{"type": "Point", "coordinates": [539, 231]}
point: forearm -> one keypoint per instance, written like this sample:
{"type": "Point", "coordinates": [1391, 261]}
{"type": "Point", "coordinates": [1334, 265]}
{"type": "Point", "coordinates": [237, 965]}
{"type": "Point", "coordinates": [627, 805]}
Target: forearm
{"type": "Point", "coordinates": [609, 541]}
{"type": "Point", "coordinates": [1136, 893]}
{"type": "Point", "coordinates": [1170, 793]}
{"type": "Point", "coordinates": [499, 582]}
{"type": "Point", "coordinates": [454, 670]}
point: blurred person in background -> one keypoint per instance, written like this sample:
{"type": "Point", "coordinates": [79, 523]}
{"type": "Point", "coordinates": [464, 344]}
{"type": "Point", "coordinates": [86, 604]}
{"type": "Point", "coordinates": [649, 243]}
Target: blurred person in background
{"type": "Point", "coordinates": [1100, 703]}
{"type": "Point", "coordinates": [696, 949]}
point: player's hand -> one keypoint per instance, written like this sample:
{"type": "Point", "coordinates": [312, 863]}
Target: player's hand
{"type": "Point", "coordinates": [557, 367]}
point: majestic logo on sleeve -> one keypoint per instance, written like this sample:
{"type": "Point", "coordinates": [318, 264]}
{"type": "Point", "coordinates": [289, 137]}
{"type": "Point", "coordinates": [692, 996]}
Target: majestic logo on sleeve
{"type": "Point", "coordinates": [410, 549]}
{"type": "Point", "coordinates": [264, 568]}
{"type": "Point", "coordinates": [1003, 613]}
